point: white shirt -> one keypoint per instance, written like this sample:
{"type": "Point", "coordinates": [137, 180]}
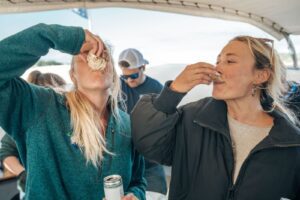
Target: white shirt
{"type": "Point", "coordinates": [244, 138]}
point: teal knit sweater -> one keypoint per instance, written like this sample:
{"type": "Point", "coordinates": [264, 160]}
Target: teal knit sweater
{"type": "Point", "coordinates": [39, 122]}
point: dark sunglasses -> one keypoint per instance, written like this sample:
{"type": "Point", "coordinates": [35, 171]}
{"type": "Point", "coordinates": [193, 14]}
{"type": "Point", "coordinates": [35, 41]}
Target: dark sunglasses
{"type": "Point", "coordinates": [131, 76]}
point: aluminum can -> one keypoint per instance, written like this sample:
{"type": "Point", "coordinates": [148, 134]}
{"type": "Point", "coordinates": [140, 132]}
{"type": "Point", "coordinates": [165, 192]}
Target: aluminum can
{"type": "Point", "coordinates": [113, 187]}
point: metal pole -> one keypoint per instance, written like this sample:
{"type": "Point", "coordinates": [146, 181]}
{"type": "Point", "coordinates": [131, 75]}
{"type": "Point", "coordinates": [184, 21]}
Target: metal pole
{"type": "Point", "coordinates": [292, 49]}
{"type": "Point", "coordinates": [89, 20]}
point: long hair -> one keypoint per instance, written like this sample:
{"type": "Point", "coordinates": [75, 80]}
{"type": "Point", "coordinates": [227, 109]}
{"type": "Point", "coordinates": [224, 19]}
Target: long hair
{"type": "Point", "coordinates": [88, 131]}
{"type": "Point", "coordinates": [273, 90]}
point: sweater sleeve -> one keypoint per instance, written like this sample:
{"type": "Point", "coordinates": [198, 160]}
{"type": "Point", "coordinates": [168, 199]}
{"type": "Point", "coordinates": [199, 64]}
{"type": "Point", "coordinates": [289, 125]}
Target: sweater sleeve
{"type": "Point", "coordinates": [22, 103]}
{"type": "Point", "coordinates": [8, 148]}
{"type": "Point", "coordinates": [153, 124]}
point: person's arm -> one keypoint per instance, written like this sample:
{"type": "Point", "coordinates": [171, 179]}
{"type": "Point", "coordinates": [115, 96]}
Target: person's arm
{"type": "Point", "coordinates": [9, 155]}
{"type": "Point", "coordinates": [153, 125]}
{"type": "Point", "coordinates": [8, 148]}
{"type": "Point", "coordinates": [22, 50]}
{"type": "Point", "coordinates": [13, 164]}
{"type": "Point", "coordinates": [138, 184]}
{"type": "Point", "coordinates": [155, 118]}
{"type": "Point", "coordinates": [22, 103]}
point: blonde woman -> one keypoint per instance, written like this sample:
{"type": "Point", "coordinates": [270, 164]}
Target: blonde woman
{"type": "Point", "coordinates": [67, 143]}
{"type": "Point", "coordinates": [241, 143]}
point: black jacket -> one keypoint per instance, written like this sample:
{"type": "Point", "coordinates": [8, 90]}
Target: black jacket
{"type": "Point", "coordinates": [195, 141]}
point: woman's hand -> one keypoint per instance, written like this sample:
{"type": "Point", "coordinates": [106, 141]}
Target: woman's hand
{"type": "Point", "coordinates": [92, 44]}
{"type": "Point", "coordinates": [192, 75]}
{"type": "Point", "coordinates": [129, 196]}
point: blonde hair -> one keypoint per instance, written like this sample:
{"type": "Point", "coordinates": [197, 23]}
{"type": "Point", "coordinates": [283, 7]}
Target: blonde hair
{"type": "Point", "coordinates": [266, 57]}
{"type": "Point", "coordinates": [88, 131]}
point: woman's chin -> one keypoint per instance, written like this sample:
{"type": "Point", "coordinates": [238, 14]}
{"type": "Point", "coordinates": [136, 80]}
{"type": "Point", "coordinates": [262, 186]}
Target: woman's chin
{"type": "Point", "coordinates": [217, 95]}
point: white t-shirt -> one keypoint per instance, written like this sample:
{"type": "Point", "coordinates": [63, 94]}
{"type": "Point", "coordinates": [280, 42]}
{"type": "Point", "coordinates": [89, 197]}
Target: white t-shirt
{"type": "Point", "coordinates": [244, 138]}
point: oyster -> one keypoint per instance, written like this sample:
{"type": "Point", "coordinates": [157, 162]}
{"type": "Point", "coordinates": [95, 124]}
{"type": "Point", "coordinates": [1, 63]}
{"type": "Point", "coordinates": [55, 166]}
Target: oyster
{"type": "Point", "coordinates": [96, 63]}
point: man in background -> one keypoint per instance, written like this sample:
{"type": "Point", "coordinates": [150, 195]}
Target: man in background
{"type": "Point", "coordinates": [134, 84]}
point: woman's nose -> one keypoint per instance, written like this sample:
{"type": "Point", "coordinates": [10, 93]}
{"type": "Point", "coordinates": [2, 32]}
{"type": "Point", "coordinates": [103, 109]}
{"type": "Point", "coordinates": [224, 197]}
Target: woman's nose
{"type": "Point", "coordinates": [219, 66]}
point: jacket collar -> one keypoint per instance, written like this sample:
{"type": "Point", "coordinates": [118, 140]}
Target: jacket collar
{"type": "Point", "coordinates": [212, 114]}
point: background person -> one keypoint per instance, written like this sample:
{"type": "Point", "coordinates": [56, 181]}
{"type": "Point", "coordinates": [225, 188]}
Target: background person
{"type": "Point", "coordinates": [136, 83]}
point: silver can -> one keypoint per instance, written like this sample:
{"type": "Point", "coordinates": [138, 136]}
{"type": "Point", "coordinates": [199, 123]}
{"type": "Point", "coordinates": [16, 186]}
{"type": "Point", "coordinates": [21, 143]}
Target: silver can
{"type": "Point", "coordinates": [113, 187]}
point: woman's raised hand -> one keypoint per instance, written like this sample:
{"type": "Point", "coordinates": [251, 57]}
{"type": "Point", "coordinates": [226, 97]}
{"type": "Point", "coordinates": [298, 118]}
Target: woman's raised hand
{"type": "Point", "coordinates": [192, 75]}
{"type": "Point", "coordinates": [92, 44]}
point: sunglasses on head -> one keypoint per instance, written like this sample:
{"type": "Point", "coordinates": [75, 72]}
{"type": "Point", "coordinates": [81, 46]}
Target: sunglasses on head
{"type": "Point", "coordinates": [131, 76]}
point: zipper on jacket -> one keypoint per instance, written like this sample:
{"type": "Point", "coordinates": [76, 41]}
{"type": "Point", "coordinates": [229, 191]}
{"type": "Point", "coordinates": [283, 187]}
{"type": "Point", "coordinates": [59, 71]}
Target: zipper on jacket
{"type": "Point", "coordinates": [113, 146]}
{"type": "Point", "coordinates": [100, 168]}
{"type": "Point", "coordinates": [230, 194]}
{"type": "Point", "coordinates": [232, 185]}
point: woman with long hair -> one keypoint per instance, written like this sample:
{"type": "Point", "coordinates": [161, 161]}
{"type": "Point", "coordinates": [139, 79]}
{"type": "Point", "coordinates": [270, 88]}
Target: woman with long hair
{"type": "Point", "coordinates": [241, 143]}
{"type": "Point", "coordinates": [67, 142]}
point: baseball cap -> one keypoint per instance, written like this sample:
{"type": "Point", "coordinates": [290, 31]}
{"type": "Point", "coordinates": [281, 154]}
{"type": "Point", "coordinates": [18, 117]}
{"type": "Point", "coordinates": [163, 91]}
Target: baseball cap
{"type": "Point", "coordinates": [133, 57]}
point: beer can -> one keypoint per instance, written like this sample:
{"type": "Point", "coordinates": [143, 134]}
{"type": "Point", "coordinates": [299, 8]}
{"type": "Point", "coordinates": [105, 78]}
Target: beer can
{"type": "Point", "coordinates": [113, 187]}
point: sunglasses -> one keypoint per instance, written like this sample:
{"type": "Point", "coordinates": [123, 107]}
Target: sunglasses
{"type": "Point", "coordinates": [131, 76]}
{"type": "Point", "coordinates": [270, 44]}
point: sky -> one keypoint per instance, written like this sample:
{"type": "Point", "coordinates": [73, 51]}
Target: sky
{"type": "Point", "coordinates": [163, 38]}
